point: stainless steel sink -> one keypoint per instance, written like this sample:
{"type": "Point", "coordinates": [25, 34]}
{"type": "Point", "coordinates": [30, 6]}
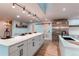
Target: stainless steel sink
{"type": "Point", "coordinates": [68, 38]}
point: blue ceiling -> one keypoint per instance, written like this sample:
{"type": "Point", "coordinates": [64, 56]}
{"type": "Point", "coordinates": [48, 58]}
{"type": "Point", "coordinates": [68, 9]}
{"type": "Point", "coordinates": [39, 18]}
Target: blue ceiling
{"type": "Point", "coordinates": [43, 6]}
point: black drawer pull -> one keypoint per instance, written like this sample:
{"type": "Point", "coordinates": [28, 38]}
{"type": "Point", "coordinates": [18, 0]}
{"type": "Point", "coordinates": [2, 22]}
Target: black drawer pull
{"type": "Point", "coordinates": [20, 45]}
{"type": "Point", "coordinates": [21, 52]}
{"type": "Point", "coordinates": [33, 44]}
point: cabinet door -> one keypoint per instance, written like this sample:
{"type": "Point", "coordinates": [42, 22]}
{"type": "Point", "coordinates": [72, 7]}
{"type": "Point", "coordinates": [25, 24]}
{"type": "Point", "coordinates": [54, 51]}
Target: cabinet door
{"type": "Point", "coordinates": [41, 39]}
{"type": "Point", "coordinates": [19, 49]}
{"type": "Point", "coordinates": [22, 49]}
{"type": "Point", "coordinates": [35, 44]}
{"type": "Point", "coordinates": [30, 49]}
{"type": "Point", "coordinates": [37, 41]}
{"type": "Point", "coordinates": [15, 53]}
{"type": "Point", "coordinates": [25, 47]}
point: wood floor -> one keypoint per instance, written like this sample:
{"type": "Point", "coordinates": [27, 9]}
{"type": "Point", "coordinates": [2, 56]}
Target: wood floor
{"type": "Point", "coordinates": [49, 48]}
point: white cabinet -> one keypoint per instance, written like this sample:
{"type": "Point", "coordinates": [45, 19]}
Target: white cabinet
{"type": "Point", "coordinates": [26, 47]}
{"type": "Point", "coordinates": [37, 40]}
{"type": "Point", "coordinates": [34, 44]}
{"type": "Point", "coordinates": [15, 53]}
{"type": "Point", "coordinates": [31, 47]}
{"type": "Point", "coordinates": [19, 49]}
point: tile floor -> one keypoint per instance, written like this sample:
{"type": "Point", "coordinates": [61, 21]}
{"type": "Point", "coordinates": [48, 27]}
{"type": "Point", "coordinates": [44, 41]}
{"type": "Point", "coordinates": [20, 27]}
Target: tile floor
{"type": "Point", "coordinates": [49, 48]}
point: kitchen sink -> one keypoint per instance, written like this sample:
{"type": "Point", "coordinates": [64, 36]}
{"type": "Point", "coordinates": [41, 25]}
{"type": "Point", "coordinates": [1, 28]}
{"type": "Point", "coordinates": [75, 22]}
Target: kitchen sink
{"type": "Point", "coordinates": [68, 38]}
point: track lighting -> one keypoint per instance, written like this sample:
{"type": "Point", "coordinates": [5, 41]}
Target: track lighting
{"type": "Point", "coordinates": [29, 13]}
{"type": "Point", "coordinates": [23, 10]}
{"type": "Point", "coordinates": [13, 6]}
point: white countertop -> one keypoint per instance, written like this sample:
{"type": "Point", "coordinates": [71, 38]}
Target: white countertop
{"type": "Point", "coordinates": [17, 39]}
{"type": "Point", "coordinates": [67, 44]}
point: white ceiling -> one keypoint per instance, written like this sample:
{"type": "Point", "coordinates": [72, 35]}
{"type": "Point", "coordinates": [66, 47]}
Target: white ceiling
{"type": "Point", "coordinates": [54, 10]}
{"type": "Point", "coordinates": [6, 10]}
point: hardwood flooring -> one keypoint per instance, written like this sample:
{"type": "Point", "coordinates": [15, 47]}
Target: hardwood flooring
{"type": "Point", "coordinates": [49, 48]}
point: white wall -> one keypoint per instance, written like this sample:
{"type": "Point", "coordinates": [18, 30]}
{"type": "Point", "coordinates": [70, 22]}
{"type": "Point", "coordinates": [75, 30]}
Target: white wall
{"type": "Point", "coordinates": [73, 22]}
{"type": "Point", "coordinates": [48, 31]}
{"type": "Point", "coordinates": [31, 28]}
{"type": "Point", "coordinates": [74, 30]}
{"type": "Point", "coordinates": [44, 28]}
{"type": "Point", "coordinates": [17, 31]}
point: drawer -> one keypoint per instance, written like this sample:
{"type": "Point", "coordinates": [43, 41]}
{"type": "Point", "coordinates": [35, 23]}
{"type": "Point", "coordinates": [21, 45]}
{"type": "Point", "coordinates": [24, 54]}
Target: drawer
{"type": "Point", "coordinates": [15, 53]}
{"type": "Point", "coordinates": [16, 47]}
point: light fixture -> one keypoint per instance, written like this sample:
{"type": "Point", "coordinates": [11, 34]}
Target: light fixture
{"type": "Point", "coordinates": [34, 16]}
{"type": "Point", "coordinates": [23, 10]}
{"type": "Point", "coordinates": [63, 9]}
{"type": "Point", "coordinates": [29, 13]}
{"type": "Point", "coordinates": [18, 16]}
{"type": "Point", "coordinates": [13, 6]}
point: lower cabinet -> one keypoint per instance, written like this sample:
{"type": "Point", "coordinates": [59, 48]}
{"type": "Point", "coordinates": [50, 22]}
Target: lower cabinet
{"type": "Point", "coordinates": [26, 48]}
{"type": "Point", "coordinates": [30, 48]}
{"type": "Point", "coordinates": [34, 44]}
{"type": "Point", "coordinates": [19, 49]}
{"type": "Point", "coordinates": [15, 53]}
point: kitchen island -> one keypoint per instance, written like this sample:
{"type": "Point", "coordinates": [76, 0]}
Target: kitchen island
{"type": "Point", "coordinates": [26, 45]}
{"type": "Point", "coordinates": [69, 47]}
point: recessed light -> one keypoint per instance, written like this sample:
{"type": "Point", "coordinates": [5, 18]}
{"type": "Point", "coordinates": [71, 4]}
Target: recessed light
{"type": "Point", "coordinates": [13, 6]}
{"type": "Point", "coordinates": [63, 9]}
{"type": "Point", "coordinates": [18, 16]}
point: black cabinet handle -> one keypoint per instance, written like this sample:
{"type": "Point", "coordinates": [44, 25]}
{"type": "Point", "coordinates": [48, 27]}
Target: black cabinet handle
{"type": "Point", "coordinates": [33, 43]}
{"type": "Point", "coordinates": [21, 52]}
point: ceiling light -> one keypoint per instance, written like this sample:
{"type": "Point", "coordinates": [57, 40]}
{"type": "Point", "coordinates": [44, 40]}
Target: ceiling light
{"type": "Point", "coordinates": [64, 9]}
{"type": "Point", "coordinates": [18, 16]}
{"type": "Point", "coordinates": [29, 13]}
{"type": "Point", "coordinates": [13, 5]}
{"type": "Point", "coordinates": [23, 10]}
